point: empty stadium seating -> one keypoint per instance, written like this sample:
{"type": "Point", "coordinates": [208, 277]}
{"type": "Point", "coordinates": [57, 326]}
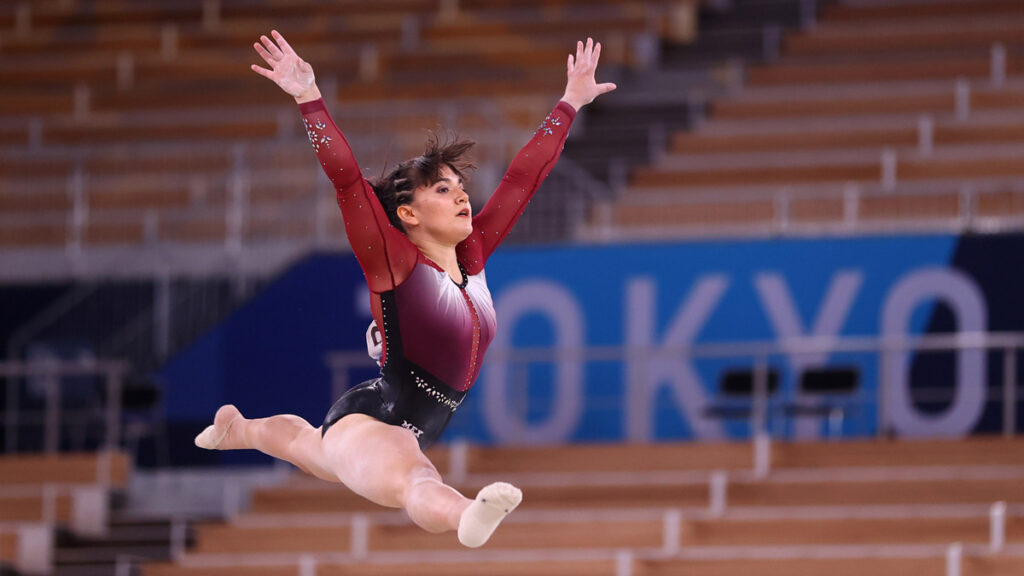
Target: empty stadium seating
{"type": "Point", "coordinates": [883, 506]}
{"type": "Point", "coordinates": [931, 87]}
{"type": "Point", "coordinates": [39, 492]}
{"type": "Point", "coordinates": [91, 84]}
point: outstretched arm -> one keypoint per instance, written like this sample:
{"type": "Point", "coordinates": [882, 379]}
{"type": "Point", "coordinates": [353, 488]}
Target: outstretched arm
{"type": "Point", "coordinates": [535, 160]}
{"type": "Point", "coordinates": [384, 253]}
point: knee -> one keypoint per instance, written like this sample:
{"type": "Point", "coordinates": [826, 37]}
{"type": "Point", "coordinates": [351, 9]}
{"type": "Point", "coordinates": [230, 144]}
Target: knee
{"type": "Point", "coordinates": [420, 475]}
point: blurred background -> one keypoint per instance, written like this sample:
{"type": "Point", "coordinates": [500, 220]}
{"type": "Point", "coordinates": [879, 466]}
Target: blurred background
{"type": "Point", "coordinates": [764, 316]}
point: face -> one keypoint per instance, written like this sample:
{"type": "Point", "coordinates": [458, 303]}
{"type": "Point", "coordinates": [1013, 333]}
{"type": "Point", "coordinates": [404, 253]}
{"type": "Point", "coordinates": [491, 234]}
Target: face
{"type": "Point", "coordinates": [441, 210]}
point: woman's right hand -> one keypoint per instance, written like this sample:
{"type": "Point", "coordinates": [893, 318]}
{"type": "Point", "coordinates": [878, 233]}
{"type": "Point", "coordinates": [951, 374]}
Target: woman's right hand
{"type": "Point", "coordinates": [291, 73]}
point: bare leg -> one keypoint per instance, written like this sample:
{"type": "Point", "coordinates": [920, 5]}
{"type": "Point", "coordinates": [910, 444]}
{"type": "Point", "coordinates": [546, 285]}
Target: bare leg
{"type": "Point", "coordinates": [384, 464]}
{"type": "Point", "coordinates": [285, 437]}
{"type": "Point", "coordinates": [381, 463]}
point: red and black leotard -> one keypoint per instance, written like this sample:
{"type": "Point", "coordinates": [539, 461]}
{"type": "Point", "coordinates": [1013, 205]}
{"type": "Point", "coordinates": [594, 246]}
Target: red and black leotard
{"type": "Point", "coordinates": [435, 332]}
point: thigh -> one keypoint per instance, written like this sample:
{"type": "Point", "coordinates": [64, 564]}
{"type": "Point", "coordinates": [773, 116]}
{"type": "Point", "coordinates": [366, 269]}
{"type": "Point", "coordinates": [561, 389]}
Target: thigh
{"type": "Point", "coordinates": [374, 459]}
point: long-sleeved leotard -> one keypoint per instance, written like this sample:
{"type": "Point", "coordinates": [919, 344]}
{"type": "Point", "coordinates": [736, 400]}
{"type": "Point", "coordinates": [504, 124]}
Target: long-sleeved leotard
{"type": "Point", "coordinates": [434, 331]}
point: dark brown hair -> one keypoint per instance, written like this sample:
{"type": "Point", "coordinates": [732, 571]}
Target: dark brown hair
{"type": "Point", "coordinates": [396, 187]}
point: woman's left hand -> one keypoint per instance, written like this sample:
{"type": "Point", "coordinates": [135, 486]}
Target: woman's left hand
{"type": "Point", "coordinates": [581, 88]}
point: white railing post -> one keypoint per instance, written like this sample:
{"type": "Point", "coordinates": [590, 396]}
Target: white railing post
{"type": "Point", "coordinates": [997, 527]}
{"type": "Point", "coordinates": [718, 490]}
{"type": "Point", "coordinates": [23, 20]}
{"type": "Point", "coordinates": [179, 536]}
{"type": "Point", "coordinates": [369, 62]}
{"type": "Point", "coordinates": [35, 549]}
{"type": "Point", "coordinates": [168, 42]}
{"type": "Point", "coordinates": [954, 559]}
{"type": "Point", "coordinates": [232, 499]}
{"type": "Point", "coordinates": [925, 135]}
{"type": "Point", "coordinates": [105, 469]}
{"type": "Point", "coordinates": [962, 99]}
{"type": "Point", "coordinates": [888, 179]}
{"type": "Point", "coordinates": [235, 213]}
{"type": "Point", "coordinates": [624, 563]}
{"type": "Point", "coordinates": [49, 511]}
{"type": "Point", "coordinates": [618, 174]}
{"type": "Point", "coordinates": [80, 102]}
{"type": "Point", "coordinates": [657, 142]}
{"type": "Point", "coordinates": [360, 536]}
{"type": "Point", "coordinates": [162, 313]}
{"type": "Point", "coordinates": [998, 65]}
{"type": "Point", "coordinates": [113, 432]}
{"type": "Point", "coordinates": [307, 565]}
{"type": "Point", "coordinates": [51, 434]}
{"type": "Point", "coordinates": [781, 205]}
{"type": "Point", "coordinates": [449, 9]}
{"type": "Point", "coordinates": [125, 70]}
{"type": "Point", "coordinates": [458, 461]}
{"type": "Point", "coordinates": [1009, 392]}
{"type": "Point", "coordinates": [35, 133]}
{"type": "Point", "coordinates": [696, 108]}
{"type": "Point", "coordinates": [808, 14]}
{"type": "Point", "coordinates": [851, 204]}
{"type": "Point", "coordinates": [762, 454]}
{"type": "Point", "coordinates": [759, 412]}
{"type": "Point", "coordinates": [79, 217]}
{"type": "Point", "coordinates": [771, 42]}
{"type": "Point", "coordinates": [966, 205]}
{"type": "Point", "coordinates": [211, 15]}
{"type": "Point", "coordinates": [410, 32]}
{"type": "Point", "coordinates": [123, 565]}
{"type": "Point", "coordinates": [671, 531]}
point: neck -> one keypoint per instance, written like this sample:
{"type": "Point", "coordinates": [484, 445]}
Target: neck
{"type": "Point", "coordinates": [443, 255]}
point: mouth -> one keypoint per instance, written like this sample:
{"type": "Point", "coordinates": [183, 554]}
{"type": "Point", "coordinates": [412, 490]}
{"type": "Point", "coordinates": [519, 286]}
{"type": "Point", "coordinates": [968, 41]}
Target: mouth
{"type": "Point", "coordinates": [464, 213]}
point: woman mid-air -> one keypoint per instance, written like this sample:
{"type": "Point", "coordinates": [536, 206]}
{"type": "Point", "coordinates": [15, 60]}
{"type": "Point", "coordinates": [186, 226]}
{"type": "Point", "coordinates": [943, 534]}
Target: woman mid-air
{"type": "Point", "coordinates": [423, 254]}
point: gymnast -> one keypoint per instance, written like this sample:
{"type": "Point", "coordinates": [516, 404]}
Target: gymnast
{"type": "Point", "coordinates": [423, 253]}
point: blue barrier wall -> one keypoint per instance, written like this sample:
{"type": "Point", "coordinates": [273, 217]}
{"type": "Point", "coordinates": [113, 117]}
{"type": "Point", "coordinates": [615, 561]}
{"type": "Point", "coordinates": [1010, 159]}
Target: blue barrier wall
{"type": "Point", "coordinates": [269, 356]}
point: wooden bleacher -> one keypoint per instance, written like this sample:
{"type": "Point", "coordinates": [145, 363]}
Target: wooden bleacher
{"type": "Point", "coordinates": [86, 81]}
{"type": "Point", "coordinates": [808, 127]}
{"type": "Point", "coordinates": [39, 490]}
{"type": "Point", "coordinates": [858, 507]}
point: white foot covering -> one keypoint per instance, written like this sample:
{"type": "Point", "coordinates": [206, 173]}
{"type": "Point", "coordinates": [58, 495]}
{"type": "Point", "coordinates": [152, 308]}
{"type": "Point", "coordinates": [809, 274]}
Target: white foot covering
{"type": "Point", "coordinates": [492, 504]}
{"type": "Point", "coordinates": [210, 439]}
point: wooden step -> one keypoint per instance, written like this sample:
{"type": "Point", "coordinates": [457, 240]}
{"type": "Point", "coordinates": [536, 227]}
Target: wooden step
{"type": "Point", "coordinates": [465, 568]}
{"type": "Point", "coordinates": [878, 70]}
{"type": "Point", "coordinates": [887, 12]}
{"type": "Point", "coordinates": [844, 41]}
{"type": "Point", "coordinates": [65, 468]}
{"type": "Point", "coordinates": [653, 177]}
{"type": "Point", "coordinates": [33, 508]}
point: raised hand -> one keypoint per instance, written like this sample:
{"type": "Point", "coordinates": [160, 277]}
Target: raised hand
{"type": "Point", "coordinates": [291, 73]}
{"type": "Point", "coordinates": [582, 88]}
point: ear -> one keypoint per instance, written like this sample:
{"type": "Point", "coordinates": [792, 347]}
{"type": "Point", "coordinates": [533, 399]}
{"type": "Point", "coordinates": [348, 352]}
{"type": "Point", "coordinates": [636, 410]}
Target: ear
{"type": "Point", "coordinates": [407, 215]}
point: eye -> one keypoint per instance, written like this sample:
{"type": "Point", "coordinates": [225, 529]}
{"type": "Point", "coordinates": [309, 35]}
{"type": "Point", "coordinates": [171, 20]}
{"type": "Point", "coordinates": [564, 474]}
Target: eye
{"type": "Point", "coordinates": [443, 189]}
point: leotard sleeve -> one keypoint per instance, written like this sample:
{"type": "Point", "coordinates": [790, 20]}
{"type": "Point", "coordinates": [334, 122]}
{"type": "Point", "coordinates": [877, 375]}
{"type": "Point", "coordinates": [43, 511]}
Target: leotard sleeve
{"type": "Point", "coordinates": [529, 168]}
{"type": "Point", "coordinates": [385, 254]}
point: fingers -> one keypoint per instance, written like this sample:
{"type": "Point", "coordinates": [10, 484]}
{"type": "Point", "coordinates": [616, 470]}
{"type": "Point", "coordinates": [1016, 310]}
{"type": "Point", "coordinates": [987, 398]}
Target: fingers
{"type": "Point", "coordinates": [264, 54]}
{"type": "Point", "coordinates": [262, 71]}
{"type": "Point", "coordinates": [606, 88]}
{"type": "Point", "coordinates": [570, 64]}
{"type": "Point", "coordinates": [587, 55]}
{"type": "Point", "coordinates": [281, 42]}
{"type": "Point", "coordinates": [271, 47]}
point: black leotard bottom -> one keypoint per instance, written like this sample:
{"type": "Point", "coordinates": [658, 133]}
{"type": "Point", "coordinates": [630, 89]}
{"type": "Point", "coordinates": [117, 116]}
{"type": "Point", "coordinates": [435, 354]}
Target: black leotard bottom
{"type": "Point", "coordinates": [422, 409]}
